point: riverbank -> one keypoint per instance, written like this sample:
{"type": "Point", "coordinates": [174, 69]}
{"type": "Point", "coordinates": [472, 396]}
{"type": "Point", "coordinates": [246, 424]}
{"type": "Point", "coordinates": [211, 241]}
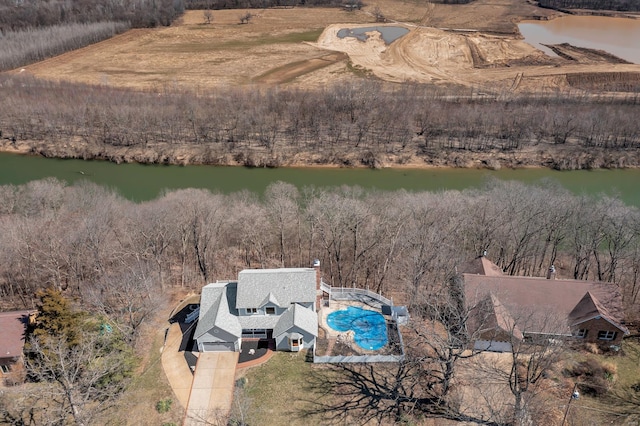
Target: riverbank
{"type": "Point", "coordinates": [138, 182]}
{"type": "Point", "coordinates": [557, 157]}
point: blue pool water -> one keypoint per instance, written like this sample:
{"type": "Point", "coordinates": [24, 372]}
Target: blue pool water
{"type": "Point", "coordinates": [369, 327]}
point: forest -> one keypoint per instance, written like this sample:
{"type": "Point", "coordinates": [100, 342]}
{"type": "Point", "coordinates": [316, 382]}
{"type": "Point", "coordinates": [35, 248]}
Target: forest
{"type": "Point", "coordinates": [118, 262]}
{"type": "Point", "coordinates": [23, 15]}
{"type": "Point", "coordinates": [354, 124]}
{"type": "Point", "coordinates": [87, 240]}
{"type": "Point", "coordinates": [31, 31]}
{"type": "Point", "coordinates": [620, 5]}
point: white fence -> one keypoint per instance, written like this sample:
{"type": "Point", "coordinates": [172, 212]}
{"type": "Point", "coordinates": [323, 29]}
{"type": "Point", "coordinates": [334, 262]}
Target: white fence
{"type": "Point", "coordinates": [368, 297]}
{"type": "Point", "coordinates": [348, 293]}
{"type": "Point", "coordinates": [355, 358]}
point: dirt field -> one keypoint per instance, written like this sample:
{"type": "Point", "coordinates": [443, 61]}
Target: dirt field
{"type": "Point", "coordinates": [475, 45]}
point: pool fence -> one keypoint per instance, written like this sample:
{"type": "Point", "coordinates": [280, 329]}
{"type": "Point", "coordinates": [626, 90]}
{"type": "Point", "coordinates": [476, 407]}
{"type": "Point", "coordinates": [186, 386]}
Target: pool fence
{"type": "Point", "coordinates": [372, 299]}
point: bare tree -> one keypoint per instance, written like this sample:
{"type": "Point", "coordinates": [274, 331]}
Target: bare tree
{"type": "Point", "coordinates": [207, 15]}
{"type": "Point", "coordinates": [282, 204]}
{"type": "Point", "coordinates": [378, 15]}
{"type": "Point", "coordinates": [536, 338]}
{"type": "Point", "coordinates": [84, 379]}
{"type": "Point", "coordinates": [127, 299]}
{"type": "Point", "coordinates": [245, 18]}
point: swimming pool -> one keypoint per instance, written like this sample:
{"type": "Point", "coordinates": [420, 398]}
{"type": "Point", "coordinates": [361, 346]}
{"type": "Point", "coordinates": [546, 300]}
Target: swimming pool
{"type": "Point", "coordinates": [369, 327]}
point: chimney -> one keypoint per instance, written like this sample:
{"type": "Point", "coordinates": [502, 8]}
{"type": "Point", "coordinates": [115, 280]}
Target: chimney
{"type": "Point", "coordinates": [551, 274]}
{"type": "Point", "coordinates": [316, 266]}
{"type": "Point", "coordinates": [319, 293]}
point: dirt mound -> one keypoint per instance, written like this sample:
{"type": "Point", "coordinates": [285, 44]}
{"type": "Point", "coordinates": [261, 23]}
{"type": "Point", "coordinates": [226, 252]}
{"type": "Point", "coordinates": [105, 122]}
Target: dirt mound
{"type": "Point", "coordinates": [606, 81]}
{"type": "Point", "coordinates": [584, 55]}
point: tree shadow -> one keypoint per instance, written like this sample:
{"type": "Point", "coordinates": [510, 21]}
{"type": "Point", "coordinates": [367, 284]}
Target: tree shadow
{"type": "Point", "coordinates": [377, 393]}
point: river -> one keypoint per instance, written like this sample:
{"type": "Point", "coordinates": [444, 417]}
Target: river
{"type": "Point", "coordinates": [144, 182]}
{"type": "Point", "coordinates": [618, 36]}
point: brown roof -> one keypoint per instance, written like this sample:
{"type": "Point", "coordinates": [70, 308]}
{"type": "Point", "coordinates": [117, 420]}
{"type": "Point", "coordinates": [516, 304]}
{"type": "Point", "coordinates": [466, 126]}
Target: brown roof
{"type": "Point", "coordinates": [12, 329]}
{"type": "Point", "coordinates": [481, 266]}
{"type": "Point", "coordinates": [590, 308]}
{"type": "Point", "coordinates": [543, 295]}
{"type": "Point", "coordinates": [501, 319]}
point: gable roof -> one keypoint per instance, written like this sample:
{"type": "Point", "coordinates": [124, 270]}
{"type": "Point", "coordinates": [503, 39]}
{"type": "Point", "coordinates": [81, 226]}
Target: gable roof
{"type": "Point", "coordinates": [481, 266]}
{"type": "Point", "coordinates": [297, 316]}
{"type": "Point", "coordinates": [12, 333]}
{"type": "Point", "coordinates": [590, 308]}
{"type": "Point", "coordinates": [216, 306]}
{"type": "Point", "coordinates": [282, 286]}
{"type": "Point", "coordinates": [499, 318]}
{"type": "Point", "coordinates": [559, 295]}
{"type": "Point", "coordinates": [270, 300]}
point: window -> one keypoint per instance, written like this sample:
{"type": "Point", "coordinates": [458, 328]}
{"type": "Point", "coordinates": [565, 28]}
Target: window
{"type": "Point", "coordinates": [295, 342]}
{"type": "Point", "coordinates": [252, 310]}
{"type": "Point", "coordinates": [606, 335]}
{"type": "Point", "coordinates": [582, 333]}
{"type": "Point", "coordinates": [270, 310]}
{"type": "Point", "coordinates": [5, 368]}
{"type": "Point", "coordinates": [254, 333]}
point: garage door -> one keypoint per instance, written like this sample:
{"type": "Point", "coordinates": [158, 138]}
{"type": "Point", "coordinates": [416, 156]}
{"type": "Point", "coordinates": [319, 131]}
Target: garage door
{"type": "Point", "coordinates": [218, 346]}
{"type": "Point", "coordinates": [492, 346]}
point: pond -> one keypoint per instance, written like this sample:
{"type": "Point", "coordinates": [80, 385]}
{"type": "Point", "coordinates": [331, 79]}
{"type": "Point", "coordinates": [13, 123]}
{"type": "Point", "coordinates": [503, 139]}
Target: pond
{"type": "Point", "coordinates": [388, 34]}
{"type": "Point", "coordinates": [618, 36]}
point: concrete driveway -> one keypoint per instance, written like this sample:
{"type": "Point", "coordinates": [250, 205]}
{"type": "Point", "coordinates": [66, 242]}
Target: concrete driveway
{"type": "Point", "coordinates": [212, 389]}
{"type": "Point", "coordinates": [175, 365]}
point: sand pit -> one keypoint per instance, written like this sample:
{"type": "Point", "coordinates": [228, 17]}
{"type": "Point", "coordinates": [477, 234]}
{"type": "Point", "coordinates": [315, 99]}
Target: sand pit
{"type": "Point", "coordinates": [475, 46]}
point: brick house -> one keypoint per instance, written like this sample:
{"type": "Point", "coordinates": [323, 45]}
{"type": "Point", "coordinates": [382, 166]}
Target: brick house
{"type": "Point", "coordinates": [589, 310]}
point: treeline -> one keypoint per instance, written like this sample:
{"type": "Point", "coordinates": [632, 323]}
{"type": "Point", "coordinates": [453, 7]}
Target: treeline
{"type": "Point", "coordinates": [31, 31]}
{"type": "Point", "coordinates": [117, 257]}
{"type": "Point", "coordinates": [362, 123]}
{"type": "Point", "coordinates": [620, 5]}
{"type": "Point", "coordinates": [20, 15]}
{"type": "Point", "coordinates": [451, 1]}
{"type": "Point", "coordinates": [259, 4]}
{"type": "Point", "coordinates": [26, 46]}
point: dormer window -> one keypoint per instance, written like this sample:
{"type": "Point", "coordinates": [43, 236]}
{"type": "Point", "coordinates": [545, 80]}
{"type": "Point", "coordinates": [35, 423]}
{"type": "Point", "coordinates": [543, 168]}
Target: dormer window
{"type": "Point", "coordinates": [252, 310]}
{"type": "Point", "coordinates": [270, 310]}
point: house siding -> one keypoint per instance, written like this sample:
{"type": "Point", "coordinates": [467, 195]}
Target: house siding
{"type": "Point", "coordinates": [16, 372]}
{"type": "Point", "coordinates": [282, 341]}
{"type": "Point", "coordinates": [495, 335]}
{"type": "Point", "coordinates": [220, 336]}
{"type": "Point", "coordinates": [596, 325]}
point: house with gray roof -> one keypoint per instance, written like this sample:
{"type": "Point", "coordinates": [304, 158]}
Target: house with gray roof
{"type": "Point", "coordinates": [277, 304]}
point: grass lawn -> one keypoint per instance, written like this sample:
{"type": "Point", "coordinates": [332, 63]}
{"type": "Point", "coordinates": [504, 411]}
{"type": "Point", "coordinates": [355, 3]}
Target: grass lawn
{"type": "Point", "coordinates": [137, 406]}
{"type": "Point", "coordinates": [607, 409]}
{"type": "Point", "coordinates": [277, 392]}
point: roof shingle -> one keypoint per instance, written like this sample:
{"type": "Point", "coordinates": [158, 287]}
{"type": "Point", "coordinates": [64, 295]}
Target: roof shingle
{"type": "Point", "coordinates": [282, 286]}
{"type": "Point", "coordinates": [12, 333]}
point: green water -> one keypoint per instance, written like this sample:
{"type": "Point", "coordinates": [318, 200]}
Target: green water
{"type": "Point", "coordinates": [144, 182]}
